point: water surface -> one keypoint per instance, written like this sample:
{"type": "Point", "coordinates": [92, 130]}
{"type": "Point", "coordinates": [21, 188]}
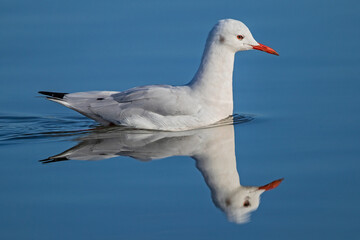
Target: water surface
{"type": "Point", "coordinates": [304, 106]}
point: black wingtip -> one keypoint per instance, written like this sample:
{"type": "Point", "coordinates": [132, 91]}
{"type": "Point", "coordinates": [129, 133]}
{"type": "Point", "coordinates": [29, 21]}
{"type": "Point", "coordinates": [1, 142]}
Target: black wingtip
{"type": "Point", "coordinates": [52, 160]}
{"type": "Point", "coordinates": [53, 94]}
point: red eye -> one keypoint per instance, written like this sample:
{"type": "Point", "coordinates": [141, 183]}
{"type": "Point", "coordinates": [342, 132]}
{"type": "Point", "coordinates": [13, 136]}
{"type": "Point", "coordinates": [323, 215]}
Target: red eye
{"type": "Point", "coordinates": [240, 37]}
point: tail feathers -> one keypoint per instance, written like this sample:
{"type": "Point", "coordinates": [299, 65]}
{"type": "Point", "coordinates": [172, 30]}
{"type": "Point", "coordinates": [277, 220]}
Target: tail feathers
{"type": "Point", "coordinates": [80, 104]}
{"type": "Point", "coordinates": [53, 94]}
{"type": "Point", "coordinates": [53, 159]}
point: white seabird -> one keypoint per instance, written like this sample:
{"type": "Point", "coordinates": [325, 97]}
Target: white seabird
{"type": "Point", "coordinates": [205, 100]}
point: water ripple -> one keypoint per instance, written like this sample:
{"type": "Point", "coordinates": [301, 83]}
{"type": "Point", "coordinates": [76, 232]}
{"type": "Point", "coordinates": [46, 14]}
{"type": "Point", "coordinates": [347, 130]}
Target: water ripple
{"type": "Point", "coordinates": [18, 129]}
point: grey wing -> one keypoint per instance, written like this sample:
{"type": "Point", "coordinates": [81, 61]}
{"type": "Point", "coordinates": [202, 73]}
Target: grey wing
{"type": "Point", "coordinates": [161, 100]}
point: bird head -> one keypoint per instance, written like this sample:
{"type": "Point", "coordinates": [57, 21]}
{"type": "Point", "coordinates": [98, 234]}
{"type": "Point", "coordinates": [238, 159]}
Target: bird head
{"type": "Point", "coordinates": [236, 36]}
{"type": "Point", "coordinates": [245, 200]}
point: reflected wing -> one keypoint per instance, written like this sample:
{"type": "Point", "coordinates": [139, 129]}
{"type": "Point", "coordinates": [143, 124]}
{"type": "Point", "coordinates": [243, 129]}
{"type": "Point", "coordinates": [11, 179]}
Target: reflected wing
{"type": "Point", "coordinates": [143, 146]}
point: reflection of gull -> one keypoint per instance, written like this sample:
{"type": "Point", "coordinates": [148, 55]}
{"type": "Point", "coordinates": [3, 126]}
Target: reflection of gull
{"type": "Point", "coordinates": [213, 150]}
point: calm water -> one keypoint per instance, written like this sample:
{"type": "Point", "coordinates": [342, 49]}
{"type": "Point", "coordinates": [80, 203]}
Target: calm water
{"type": "Point", "coordinates": [304, 107]}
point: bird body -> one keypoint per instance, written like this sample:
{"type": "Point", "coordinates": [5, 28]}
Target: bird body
{"type": "Point", "coordinates": [205, 100]}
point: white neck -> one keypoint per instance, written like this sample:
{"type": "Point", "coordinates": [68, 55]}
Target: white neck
{"type": "Point", "coordinates": [217, 163]}
{"type": "Point", "coordinates": [213, 80]}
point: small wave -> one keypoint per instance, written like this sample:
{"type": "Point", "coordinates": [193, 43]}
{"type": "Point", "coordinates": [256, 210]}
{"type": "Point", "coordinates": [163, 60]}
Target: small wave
{"type": "Point", "coordinates": [18, 129]}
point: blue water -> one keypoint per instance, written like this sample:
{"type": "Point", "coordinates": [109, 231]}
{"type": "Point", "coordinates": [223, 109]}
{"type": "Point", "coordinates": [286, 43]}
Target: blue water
{"type": "Point", "coordinates": [304, 107]}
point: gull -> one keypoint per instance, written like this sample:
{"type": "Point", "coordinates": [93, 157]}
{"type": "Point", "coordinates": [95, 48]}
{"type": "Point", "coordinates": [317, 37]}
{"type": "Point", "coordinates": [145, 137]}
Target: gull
{"type": "Point", "coordinates": [205, 100]}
